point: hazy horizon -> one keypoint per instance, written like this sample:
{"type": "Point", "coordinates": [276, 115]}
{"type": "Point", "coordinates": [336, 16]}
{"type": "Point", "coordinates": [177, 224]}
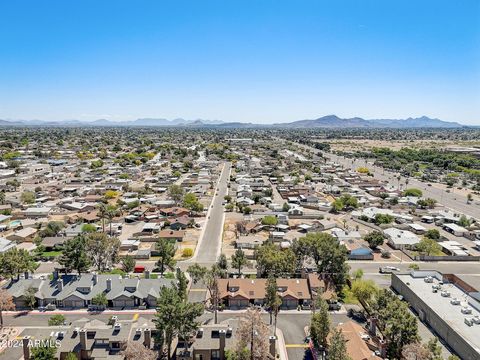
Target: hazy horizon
{"type": "Point", "coordinates": [240, 61]}
{"type": "Point", "coordinates": [224, 121]}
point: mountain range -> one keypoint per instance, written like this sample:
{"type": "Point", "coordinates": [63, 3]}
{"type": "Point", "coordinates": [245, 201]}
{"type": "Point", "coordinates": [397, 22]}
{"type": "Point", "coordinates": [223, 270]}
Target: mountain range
{"type": "Point", "coordinates": [329, 121]}
{"type": "Point", "coordinates": [333, 121]}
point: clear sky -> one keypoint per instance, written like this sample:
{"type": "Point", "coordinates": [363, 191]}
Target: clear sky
{"type": "Point", "coordinates": [258, 61]}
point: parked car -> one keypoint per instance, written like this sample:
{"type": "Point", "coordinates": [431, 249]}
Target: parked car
{"type": "Point", "coordinates": [388, 269]}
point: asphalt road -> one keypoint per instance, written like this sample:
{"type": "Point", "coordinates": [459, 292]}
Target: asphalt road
{"type": "Point", "coordinates": [461, 268]}
{"type": "Point", "coordinates": [210, 244]}
{"type": "Point", "coordinates": [452, 200]}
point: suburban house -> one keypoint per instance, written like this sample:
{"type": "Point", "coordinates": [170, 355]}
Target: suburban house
{"type": "Point", "coordinates": [171, 235]}
{"type": "Point", "coordinates": [401, 239]}
{"type": "Point", "coordinates": [77, 291]}
{"type": "Point", "coordinates": [241, 293]}
{"type": "Point", "coordinates": [212, 340]}
{"type": "Point", "coordinates": [6, 245]}
{"type": "Point", "coordinates": [25, 234]}
{"type": "Point", "coordinates": [94, 339]}
{"type": "Point", "coordinates": [359, 344]}
{"type": "Point", "coordinates": [174, 211]}
{"type": "Point", "coordinates": [36, 212]}
{"type": "Point", "coordinates": [455, 229]}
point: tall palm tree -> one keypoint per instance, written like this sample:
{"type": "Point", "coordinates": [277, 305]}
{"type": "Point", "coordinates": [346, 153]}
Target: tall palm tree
{"type": "Point", "coordinates": [102, 213]}
{"type": "Point", "coordinates": [111, 212]}
{"type": "Point", "coordinates": [2, 197]}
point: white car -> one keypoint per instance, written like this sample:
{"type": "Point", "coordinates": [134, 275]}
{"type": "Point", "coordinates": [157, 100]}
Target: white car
{"type": "Point", "coordinates": [388, 269]}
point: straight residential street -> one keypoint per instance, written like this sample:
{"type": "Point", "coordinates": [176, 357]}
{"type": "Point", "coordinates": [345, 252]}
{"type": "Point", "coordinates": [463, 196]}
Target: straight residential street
{"type": "Point", "coordinates": [209, 244]}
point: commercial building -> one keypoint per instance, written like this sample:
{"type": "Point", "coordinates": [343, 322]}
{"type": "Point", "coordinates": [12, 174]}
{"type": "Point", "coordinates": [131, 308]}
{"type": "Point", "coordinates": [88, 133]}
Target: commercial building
{"type": "Point", "coordinates": [448, 305]}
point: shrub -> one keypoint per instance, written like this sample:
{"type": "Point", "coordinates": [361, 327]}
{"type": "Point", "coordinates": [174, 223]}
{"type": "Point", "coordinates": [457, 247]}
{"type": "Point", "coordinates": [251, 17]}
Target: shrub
{"type": "Point", "coordinates": [386, 254]}
{"type": "Point", "coordinates": [413, 192]}
{"type": "Point", "coordinates": [187, 252]}
{"type": "Point", "coordinates": [56, 320]}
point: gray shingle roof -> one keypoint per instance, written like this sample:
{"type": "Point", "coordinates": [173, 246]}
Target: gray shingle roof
{"type": "Point", "coordinates": [83, 287]}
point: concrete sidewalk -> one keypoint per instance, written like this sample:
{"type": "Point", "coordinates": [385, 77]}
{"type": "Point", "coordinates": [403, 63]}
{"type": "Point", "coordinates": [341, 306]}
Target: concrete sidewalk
{"type": "Point", "coordinates": [282, 349]}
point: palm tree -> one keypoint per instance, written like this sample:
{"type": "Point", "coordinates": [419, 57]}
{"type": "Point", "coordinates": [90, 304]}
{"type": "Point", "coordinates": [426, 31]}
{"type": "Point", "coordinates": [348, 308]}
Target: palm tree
{"type": "Point", "coordinates": [102, 213]}
{"type": "Point", "coordinates": [111, 212]}
{"type": "Point", "coordinates": [2, 197]}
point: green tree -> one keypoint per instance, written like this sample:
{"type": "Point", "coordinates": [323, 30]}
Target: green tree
{"type": "Point", "coordinates": [320, 325]}
{"type": "Point", "coordinates": [14, 262]}
{"type": "Point", "coordinates": [74, 255]}
{"type": "Point", "coordinates": [433, 234]}
{"type": "Point", "coordinates": [273, 301]}
{"type": "Point", "coordinates": [43, 352]}
{"type": "Point", "coordinates": [166, 253]}
{"type": "Point", "coordinates": [383, 219]}
{"type": "Point", "coordinates": [13, 183]}
{"type": "Point", "coordinates": [427, 203]}
{"type": "Point", "coordinates": [274, 261]}
{"type": "Point", "coordinates": [2, 197]}
{"type": "Point", "coordinates": [247, 210]}
{"type": "Point", "coordinates": [464, 221]}
{"type": "Point", "coordinates": [413, 192]}
{"type": "Point", "coordinates": [344, 202]}
{"type": "Point", "coordinates": [365, 291]}
{"type": "Point", "coordinates": [222, 262]}
{"type": "Point", "coordinates": [239, 260]}
{"type": "Point", "coordinates": [196, 272]}
{"type": "Point", "coordinates": [30, 299]}
{"type": "Point", "coordinates": [52, 228]}
{"type": "Point", "coordinates": [128, 263]}
{"type": "Point", "coordinates": [190, 201]}
{"type": "Point", "coordinates": [174, 317]}
{"type": "Point", "coordinates": [111, 212]}
{"type": "Point", "coordinates": [435, 349]}
{"type": "Point", "coordinates": [100, 299]}
{"type": "Point", "coordinates": [375, 239]}
{"type": "Point", "coordinates": [102, 214]}
{"type": "Point", "coordinates": [182, 284]}
{"type": "Point", "coordinates": [329, 256]}
{"type": "Point", "coordinates": [88, 228]}
{"type": "Point", "coordinates": [102, 250]}
{"type": "Point", "coordinates": [28, 197]}
{"type": "Point", "coordinates": [337, 349]}
{"type": "Point", "coordinates": [270, 220]}
{"type": "Point", "coordinates": [429, 247]}
{"type": "Point", "coordinates": [453, 357]}
{"type": "Point", "coordinates": [71, 356]}
{"type": "Point", "coordinates": [337, 206]}
{"type": "Point", "coordinates": [56, 320]}
{"type": "Point", "coordinates": [400, 325]}
{"type": "Point", "coordinates": [175, 192]}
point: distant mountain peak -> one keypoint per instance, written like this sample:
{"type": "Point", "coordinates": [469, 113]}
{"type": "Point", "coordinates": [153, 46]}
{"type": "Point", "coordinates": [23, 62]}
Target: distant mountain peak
{"type": "Point", "coordinates": [333, 121]}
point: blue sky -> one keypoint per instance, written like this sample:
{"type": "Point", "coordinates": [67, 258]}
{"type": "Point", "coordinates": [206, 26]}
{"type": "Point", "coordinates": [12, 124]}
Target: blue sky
{"type": "Point", "coordinates": [258, 61]}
